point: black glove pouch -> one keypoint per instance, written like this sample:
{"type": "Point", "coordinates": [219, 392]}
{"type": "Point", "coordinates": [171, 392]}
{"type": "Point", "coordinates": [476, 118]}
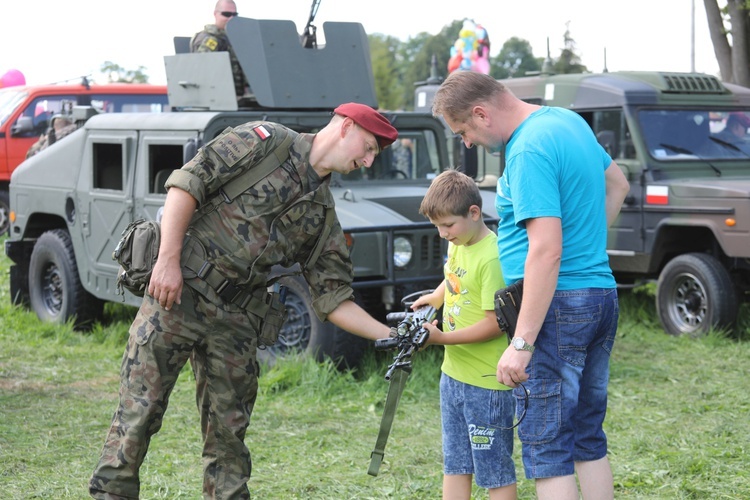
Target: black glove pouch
{"type": "Point", "coordinates": [507, 307]}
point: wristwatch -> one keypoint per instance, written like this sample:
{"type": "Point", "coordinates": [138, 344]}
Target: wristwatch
{"type": "Point", "coordinates": [521, 345]}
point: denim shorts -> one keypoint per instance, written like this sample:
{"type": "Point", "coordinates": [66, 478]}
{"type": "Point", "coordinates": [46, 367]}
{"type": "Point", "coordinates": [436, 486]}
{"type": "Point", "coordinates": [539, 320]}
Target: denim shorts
{"type": "Point", "coordinates": [568, 377]}
{"type": "Point", "coordinates": [472, 441]}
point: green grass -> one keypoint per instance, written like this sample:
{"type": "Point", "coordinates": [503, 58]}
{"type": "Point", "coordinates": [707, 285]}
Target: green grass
{"type": "Point", "coordinates": [678, 419]}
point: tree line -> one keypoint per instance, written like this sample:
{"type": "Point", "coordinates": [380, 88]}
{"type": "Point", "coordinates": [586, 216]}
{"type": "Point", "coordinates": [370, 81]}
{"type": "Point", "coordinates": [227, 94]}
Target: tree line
{"type": "Point", "coordinates": [398, 66]}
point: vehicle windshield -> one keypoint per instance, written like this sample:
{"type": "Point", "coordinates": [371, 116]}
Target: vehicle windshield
{"type": "Point", "coordinates": [413, 156]}
{"type": "Point", "coordinates": [9, 100]}
{"type": "Point", "coordinates": [705, 134]}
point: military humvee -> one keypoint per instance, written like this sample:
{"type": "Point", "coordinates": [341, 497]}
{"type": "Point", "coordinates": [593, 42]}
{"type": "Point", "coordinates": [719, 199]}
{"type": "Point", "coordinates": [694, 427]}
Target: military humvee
{"type": "Point", "coordinates": [71, 202]}
{"type": "Point", "coordinates": [686, 220]}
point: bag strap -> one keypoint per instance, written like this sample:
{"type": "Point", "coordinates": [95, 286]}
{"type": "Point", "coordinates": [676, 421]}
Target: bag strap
{"type": "Point", "coordinates": [238, 185]}
{"type": "Point", "coordinates": [395, 389]}
{"type": "Point", "coordinates": [322, 238]}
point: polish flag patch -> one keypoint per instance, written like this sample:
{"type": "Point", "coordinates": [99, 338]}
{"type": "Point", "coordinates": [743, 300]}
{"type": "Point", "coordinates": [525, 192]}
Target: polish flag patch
{"type": "Point", "coordinates": [262, 132]}
{"type": "Point", "coordinates": [657, 195]}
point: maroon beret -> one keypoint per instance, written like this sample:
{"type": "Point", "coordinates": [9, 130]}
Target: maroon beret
{"type": "Point", "coordinates": [370, 120]}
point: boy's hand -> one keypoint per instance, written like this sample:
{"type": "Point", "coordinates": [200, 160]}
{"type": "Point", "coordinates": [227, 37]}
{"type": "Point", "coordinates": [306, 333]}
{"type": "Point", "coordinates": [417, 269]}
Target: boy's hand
{"type": "Point", "coordinates": [421, 301]}
{"type": "Point", "coordinates": [436, 334]}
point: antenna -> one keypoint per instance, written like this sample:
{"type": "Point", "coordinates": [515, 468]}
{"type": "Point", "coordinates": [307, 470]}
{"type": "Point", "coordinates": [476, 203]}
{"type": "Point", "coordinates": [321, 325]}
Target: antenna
{"type": "Point", "coordinates": [547, 66]}
{"type": "Point", "coordinates": [605, 61]}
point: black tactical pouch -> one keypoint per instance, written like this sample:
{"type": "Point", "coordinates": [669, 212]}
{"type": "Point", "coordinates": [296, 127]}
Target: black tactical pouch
{"type": "Point", "coordinates": [274, 317]}
{"type": "Point", "coordinates": [507, 306]}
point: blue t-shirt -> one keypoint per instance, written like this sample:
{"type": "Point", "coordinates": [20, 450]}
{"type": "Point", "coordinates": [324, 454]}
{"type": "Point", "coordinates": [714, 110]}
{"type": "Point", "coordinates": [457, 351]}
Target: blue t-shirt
{"type": "Point", "coordinates": [554, 167]}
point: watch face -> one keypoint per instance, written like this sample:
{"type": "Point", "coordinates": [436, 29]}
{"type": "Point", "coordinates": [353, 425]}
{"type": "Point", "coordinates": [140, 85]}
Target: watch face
{"type": "Point", "coordinates": [518, 343]}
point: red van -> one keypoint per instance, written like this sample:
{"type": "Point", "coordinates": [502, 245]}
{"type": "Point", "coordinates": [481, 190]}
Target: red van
{"type": "Point", "coordinates": [25, 112]}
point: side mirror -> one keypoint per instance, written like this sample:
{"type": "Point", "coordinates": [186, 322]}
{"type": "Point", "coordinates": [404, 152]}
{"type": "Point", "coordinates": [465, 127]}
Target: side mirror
{"type": "Point", "coordinates": [23, 125]}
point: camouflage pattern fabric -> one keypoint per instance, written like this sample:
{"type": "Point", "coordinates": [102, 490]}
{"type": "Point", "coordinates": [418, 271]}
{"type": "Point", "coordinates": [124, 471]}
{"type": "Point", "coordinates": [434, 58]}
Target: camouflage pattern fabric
{"type": "Point", "coordinates": [159, 345]}
{"type": "Point", "coordinates": [49, 138]}
{"type": "Point", "coordinates": [277, 221]}
{"type": "Point", "coordinates": [214, 39]}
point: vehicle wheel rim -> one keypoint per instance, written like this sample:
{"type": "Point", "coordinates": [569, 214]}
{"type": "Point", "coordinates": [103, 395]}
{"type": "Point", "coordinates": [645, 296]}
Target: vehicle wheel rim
{"type": "Point", "coordinates": [688, 304]}
{"type": "Point", "coordinates": [52, 289]}
{"type": "Point", "coordinates": [295, 333]}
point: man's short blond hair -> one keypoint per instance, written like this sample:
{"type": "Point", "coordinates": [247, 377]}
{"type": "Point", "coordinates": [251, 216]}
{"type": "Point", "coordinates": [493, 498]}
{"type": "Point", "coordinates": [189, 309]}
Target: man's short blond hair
{"type": "Point", "coordinates": [450, 193]}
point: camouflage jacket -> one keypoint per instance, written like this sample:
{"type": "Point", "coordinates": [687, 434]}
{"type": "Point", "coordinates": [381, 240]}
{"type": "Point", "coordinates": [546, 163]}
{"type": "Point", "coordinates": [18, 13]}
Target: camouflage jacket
{"type": "Point", "coordinates": [276, 222]}
{"type": "Point", "coordinates": [49, 138]}
{"type": "Point", "coordinates": [213, 39]}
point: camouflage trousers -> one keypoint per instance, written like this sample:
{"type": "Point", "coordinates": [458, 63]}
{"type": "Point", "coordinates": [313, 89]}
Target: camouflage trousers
{"type": "Point", "coordinates": [223, 347]}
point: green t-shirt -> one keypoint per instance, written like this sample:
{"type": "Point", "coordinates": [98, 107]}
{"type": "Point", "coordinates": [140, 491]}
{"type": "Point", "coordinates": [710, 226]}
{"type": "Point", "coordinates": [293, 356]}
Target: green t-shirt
{"type": "Point", "coordinates": [472, 276]}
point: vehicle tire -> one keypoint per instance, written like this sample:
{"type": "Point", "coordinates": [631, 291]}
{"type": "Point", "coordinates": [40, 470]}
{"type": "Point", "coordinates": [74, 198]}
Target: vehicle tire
{"type": "Point", "coordinates": [304, 332]}
{"type": "Point", "coordinates": [695, 293]}
{"type": "Point", "coordinates": [4, 212]}
{"type": "Point", "coordinates": [55, 290]}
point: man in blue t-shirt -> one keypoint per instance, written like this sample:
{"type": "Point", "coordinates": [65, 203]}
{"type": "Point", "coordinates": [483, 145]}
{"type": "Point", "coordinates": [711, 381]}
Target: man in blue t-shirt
{"type": "Point", "coordinates": [559, 193]}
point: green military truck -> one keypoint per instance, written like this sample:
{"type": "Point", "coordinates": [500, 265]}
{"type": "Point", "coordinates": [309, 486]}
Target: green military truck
{"type": "Point", "coordinates": [71, 201]}
{"type": "Point", "coordinates": [681, 140]}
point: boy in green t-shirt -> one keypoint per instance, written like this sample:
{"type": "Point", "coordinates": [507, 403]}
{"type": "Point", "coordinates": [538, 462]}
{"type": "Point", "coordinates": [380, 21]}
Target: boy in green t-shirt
{"type": "Point", "coordinates": [476, 410]}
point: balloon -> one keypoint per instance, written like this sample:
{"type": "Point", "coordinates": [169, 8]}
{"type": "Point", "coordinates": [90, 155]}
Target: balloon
{"type": "Point", "coordinates": [454, 62]}
{"type": "Point", "coordinates": [11, 78]}
{"type": "Point", "coordinates": [482, 66]}
{"type": "Point", "coordinates": [471, 50]}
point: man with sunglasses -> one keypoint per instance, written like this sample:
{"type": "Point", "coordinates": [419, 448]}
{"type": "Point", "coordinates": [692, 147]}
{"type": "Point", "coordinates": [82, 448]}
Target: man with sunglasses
{"type": "Point", "coordinates": [214, 38]}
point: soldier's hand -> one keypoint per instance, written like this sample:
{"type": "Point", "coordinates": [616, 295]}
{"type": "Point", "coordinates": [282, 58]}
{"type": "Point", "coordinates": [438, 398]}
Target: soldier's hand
{"type": "Point", "coordinates": [166, 283]}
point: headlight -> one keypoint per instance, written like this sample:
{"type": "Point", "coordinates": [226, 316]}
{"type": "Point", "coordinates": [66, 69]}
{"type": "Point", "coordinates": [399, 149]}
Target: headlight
{"type": "Point", "coordinates": [402, 251]}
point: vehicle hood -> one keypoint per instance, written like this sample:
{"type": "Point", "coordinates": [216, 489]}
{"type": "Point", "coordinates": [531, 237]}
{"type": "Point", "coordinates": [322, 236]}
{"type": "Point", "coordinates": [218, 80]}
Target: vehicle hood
{"type": "Point", "coordinates": [361, 206]}
{"type": "Point", "coordinates": [380, 205]}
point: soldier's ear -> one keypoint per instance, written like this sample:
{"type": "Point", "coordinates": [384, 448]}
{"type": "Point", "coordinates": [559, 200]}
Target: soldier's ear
{"type": "Point", "coordinates": [347, 126]}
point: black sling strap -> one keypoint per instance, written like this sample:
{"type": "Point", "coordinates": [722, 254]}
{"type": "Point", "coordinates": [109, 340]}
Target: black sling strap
{"type": "Point", "coordinates": [395, 389]}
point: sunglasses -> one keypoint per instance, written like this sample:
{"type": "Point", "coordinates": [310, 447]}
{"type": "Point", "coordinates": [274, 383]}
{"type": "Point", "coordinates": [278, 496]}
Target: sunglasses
{"type": "Point", "coordinates": [229, 14]}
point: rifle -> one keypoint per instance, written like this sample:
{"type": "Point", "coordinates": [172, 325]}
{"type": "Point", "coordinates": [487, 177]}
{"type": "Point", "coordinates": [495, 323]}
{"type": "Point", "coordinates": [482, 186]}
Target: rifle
{"type": "Point", "coordinates": [410, 336]}
{"type": "Point", "coordinates": [309, 37]}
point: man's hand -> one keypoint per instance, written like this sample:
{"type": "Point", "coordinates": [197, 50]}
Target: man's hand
{"type": "Point", "coordinates": [166, 283]}
{"type": "Point", "coordinates": [511, 369]}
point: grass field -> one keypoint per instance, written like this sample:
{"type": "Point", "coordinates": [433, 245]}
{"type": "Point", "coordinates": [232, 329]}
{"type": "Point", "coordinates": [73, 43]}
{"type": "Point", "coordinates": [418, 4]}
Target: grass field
{"type": "Point", "coordinates": [678, 419]}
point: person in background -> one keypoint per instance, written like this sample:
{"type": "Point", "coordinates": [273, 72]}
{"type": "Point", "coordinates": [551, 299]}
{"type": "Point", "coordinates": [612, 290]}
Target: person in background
{"type": "Point", "coordinates": [59, 128]}
{"type": "Point", "coordinates": [736, 128]}
{"type": "Point", "coordinates": [476, 412]}
{"type": "Point", "coordinates": [557, 196]}
{"type": "Point", "coordinates": [208, 295]}
{"type": "Point", "coordinates": [213, 38]}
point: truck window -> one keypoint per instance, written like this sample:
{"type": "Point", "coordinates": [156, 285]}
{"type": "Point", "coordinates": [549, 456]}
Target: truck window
{"type": "Point", "coordinates": [108, 168]}
{"type": "Point", "coordinates": [41, 109]}
{"type": "Point", "coordinates": [130, 103]}
{"type": "Point", "coordinates": [163, 159]}
{"type": "Point", "coordinates": [10, 100]}
{"type": "Point", "coordinates": [696, 135]}
{"type": "Point", "coordinates": [611, 130]}
{"type": "Point", "coordinates": [413, 156]}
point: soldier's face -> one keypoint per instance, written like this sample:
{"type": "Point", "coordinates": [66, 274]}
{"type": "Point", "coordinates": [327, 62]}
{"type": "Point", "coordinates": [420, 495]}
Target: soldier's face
{"type": "Point", "coordinates": [225, 12]}
{"type": "Point", "coordinates": [361, 147]}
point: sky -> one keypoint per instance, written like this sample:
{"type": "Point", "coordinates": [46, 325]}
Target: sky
{"type": "Point", "coordinates": [55, 40]}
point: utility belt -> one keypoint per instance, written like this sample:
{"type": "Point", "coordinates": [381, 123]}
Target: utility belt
{"type": "Point", "coordinates": [266, 303]}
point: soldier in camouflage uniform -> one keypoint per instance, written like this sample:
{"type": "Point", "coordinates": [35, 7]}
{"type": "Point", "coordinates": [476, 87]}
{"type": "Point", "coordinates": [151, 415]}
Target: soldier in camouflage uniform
{"type": "Point", "coordinates": [59, 128]}
{"type": "Point", "coordinates": [213, 38]}
{"type": "Point", "coordinates": [277, 221]}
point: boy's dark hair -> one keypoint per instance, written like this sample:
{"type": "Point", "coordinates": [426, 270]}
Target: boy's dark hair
{"type": "Point", "coordinates": [451, 193]}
